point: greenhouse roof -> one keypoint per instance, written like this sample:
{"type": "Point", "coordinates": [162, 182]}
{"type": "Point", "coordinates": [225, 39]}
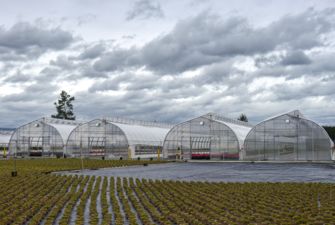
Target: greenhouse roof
{"type": "Point", "coordinates": [64, 127]}
{"type": "Point", "coordinates": [224, 119]}
{"type": "Point", "coordinates": [240, 131]}
{"type": "Point", "coordinates": [294, 113]}
{"type": "Point", "coordinates": [4, 138]}
{"type": "Point", "coordinates": [141, 134]}
{"type": "Point", "coordinates": [121, 120]}
{"type": "Point", "coordinates": [61, 121]}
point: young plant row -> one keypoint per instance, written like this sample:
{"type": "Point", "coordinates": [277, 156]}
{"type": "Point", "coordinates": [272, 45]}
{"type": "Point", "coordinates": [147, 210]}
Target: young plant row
{"type": "Point", "coordinates": [54, 199]}
{"type": "Point", "coordinates": [46, 165]}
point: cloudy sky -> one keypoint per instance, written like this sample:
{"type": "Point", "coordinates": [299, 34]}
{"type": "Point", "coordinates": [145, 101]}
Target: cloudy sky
{"type": "Point", "coordinates": [167, 60]}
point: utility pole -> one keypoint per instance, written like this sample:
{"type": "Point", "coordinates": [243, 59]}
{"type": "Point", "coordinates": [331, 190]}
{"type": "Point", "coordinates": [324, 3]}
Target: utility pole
{"type": "Point", "coordinates": [81, 154]}
{"type": "Point", "coordinates": [14, 172]}
{"type": "Point", "coordinates": [158, 154]}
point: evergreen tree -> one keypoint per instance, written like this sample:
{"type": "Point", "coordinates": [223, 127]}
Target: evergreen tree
{"type": "Point", "coordinates": [64, 107]}
{"type": "Point", "coordinates": [243, 118]}
{"type": "Point", "coordinates": [331, 131]}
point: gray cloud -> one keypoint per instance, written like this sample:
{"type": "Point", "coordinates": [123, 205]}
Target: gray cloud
{"type": "Point", "coordinates": [313, 88]}
{"type": "Point", "coordinates": [315, 65]}
{"type": "Point", "coordinates": [63, 62]}
{"type": "Point", "coordinates": [33, 93]}
{"type": "Point", "coordinates": [205, 63]}
{"type": "Point", "coordinates": [18, 77]}
{"type": "Point", "coordinates": [105, 85]}
{"type": "Point", "coordinates": [145, 9]}
{"type": "Point", "coordinates": [92, 52]}
{"type": "Point", "coordinates": [207, 38]}
{"type": "Point", "coordinates": [29, 39]}
{"type": "Point", "coordinates": [118, 59]}
{"type": "Point", "coordinates": [49, 74]}
{"type": "Point", "coordinates": [296, 58]}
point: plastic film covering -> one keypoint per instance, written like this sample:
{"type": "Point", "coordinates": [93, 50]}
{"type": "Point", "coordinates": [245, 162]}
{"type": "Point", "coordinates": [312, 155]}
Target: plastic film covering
{"type": "Point", "coordinates": [206, 137]}
{"type": "Point", "coordinates": [4, 138]}
{"type": "Point", "coordinates": [287, 137]}
{"type": "Point", "coordinates": [4, 141]}
{"type": "Point", "coordinates": [43, 137]}
{"type": "Point", "coordinates": [143, 135]}
{"type": "Point", "coordinates": [97, 138]}
{"type": "Point", "coordinates": [103, 137]}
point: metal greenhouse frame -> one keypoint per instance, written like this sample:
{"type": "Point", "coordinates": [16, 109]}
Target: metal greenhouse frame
{"type": "Point", "coordinates": [4, 142]}
{"type": "Point", "coordinates": [288, 137]}
{"type": "Point", "coordinates": [42, 137]}
{"type": "Point", "coordinates": [117, 137]}
{"type": "Point", "coordinates": [210, 136]}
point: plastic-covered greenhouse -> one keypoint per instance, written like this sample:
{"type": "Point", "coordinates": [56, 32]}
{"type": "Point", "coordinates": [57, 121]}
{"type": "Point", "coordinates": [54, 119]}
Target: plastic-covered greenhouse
{"type": "Point", "coordinates": [210, 136]}
{"type": "Point", "coordinates": [4, 141]}
{"type": "Point", "coordinates": [117, 137]}
{"type": "Point", "coordinates": [289, 136]}
{"type": "Point", "coordinates": [45, 136]}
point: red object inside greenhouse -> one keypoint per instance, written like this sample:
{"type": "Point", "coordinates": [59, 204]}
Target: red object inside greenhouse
{"type": "Point", "coordinates": [219, 155]}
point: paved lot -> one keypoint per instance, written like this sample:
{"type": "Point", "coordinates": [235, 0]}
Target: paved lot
{"type": "Point", "coordinates": [227, 172]}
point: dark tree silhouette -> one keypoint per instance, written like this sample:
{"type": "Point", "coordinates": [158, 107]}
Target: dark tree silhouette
{"type": "Point", "coordinates": [331, 131]}
{"type": "Point", "coordinates": [243, 118]}
{"type": "Point", "coordinates": [64, 107]}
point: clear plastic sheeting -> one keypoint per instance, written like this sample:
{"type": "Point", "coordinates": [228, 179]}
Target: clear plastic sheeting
{"type": "Point", "coordinates": [210, 136]}
{"type": "Point", "coordinates": [125, 138]}
{"type": "Point", "coordinates": [4, 138]}
{"type": "Point", "coordinates": [97, 138]}
{"type": "Point", "coordinates": [43, 137]}
{"type": "Point", "coordinates": [4, 141]}
{"type": "Point", "coordinates": [287, 137]}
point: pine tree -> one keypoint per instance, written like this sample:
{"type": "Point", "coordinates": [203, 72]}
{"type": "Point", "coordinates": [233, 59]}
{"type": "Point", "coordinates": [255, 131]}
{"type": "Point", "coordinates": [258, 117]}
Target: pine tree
{"type": "Point", "coordinates": [243, 118]}
{"type": "Point", "coordinates": [64, 107]}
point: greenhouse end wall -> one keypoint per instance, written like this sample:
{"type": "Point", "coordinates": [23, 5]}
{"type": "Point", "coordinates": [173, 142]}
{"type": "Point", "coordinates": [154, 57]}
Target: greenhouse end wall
{"type": "Point", "coordinates": [4, 142]}
{"type": "Point", "coordinates": [36, 139]}
{"type": "Point", "coordinates": [97, 138]}
{"type": "Point", "coordinates": [42, 137]}
{"type": "Point", "coordinates": [288, 137]}
{"type": "Point", "coordinates": [204, 138]}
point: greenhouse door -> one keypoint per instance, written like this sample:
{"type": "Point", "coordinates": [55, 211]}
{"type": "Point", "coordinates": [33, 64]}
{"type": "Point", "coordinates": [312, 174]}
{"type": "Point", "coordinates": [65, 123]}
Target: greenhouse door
{"type": "Point", "coordinates": [97, 146]}
{"type": "Point", "coordinates": [35, 146]}
{"type": "Point", "coordinates": [286, 149]}
{"type": "Point", "coordinates": [200, 147]}
{"type": "Point", "coordinates": [216, 150]}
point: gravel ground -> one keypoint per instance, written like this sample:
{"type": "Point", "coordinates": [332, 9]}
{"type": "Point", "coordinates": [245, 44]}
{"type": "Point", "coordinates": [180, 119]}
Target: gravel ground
{"type": "Point", "coordinates": [227, 172]}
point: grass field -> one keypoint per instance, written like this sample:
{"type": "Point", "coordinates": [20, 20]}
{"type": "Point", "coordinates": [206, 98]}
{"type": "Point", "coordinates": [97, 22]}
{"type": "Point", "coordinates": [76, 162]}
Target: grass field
{"type": "Point", "coordinates": [35, 197]}
{"type": "Point", "coordinates": [47, 165]}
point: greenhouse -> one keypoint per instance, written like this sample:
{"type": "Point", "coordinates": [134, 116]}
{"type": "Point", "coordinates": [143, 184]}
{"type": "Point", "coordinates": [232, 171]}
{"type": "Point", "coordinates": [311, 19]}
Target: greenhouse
{"type": "Point", "coordinates": [42, 137]}
{"type": "Point", "coordinates": [117, 137]}
{"type": "Point", "coordinates": [4, 141]}
{"type": "Point", "coordinates": [288, 137]}
{"type": "Point", "coordinates": [210, 136]}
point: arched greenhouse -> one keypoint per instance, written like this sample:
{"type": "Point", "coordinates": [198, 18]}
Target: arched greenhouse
{"type": "Point", "coordinates": [42, 137]}
{"type": "Point", "coordinates": [4, 141]}
{"type": "Point", "coordinates": [287, 137]}
{"type": "Point", "coordinates": [210, 136]}
{"type": "Point", "coordinates": [116, 137]}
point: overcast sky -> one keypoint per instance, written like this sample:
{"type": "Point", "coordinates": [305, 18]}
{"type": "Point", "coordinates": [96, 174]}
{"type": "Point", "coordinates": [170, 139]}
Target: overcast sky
{"type": "Point", "coordinates": [167, 60]}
